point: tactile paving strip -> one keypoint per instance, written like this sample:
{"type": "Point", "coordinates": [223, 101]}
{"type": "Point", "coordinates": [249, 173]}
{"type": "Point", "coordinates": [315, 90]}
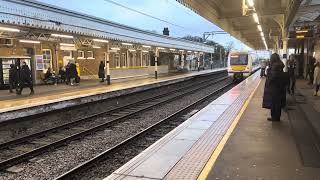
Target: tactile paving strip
{"type": "Point", "coordinates": [147, 153]}
{"type": "Point", "coordinates": [191, 165]}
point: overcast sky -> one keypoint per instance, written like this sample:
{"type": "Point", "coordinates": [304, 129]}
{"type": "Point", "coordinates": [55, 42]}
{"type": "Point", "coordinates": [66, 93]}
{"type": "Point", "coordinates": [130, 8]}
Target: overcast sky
{"type": "Point", "coordinates": [186, 21]}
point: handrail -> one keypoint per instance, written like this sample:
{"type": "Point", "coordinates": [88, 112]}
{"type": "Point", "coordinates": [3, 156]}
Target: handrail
{"type": "Point", "coordinates": [91, 74]}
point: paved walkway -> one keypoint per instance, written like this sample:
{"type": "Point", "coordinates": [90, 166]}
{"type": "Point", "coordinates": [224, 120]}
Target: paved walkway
{"type": "Point", "coordinates": [307, 90]}
{"type": "Point", "coordinates": [50, 93]}
{"type": "Point", "coordinates": [183, 152]}
{"type": "Point", "coordinates": [263, 150]}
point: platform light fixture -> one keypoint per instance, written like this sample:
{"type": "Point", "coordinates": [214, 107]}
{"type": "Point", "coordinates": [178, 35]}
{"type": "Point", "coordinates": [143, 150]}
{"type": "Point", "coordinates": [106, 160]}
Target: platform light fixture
{"type": "Point", "coordinates": [68, 45]}
{"type": "Point", "coordinates": [9, 29]}
{"type": "Point", "coordinates": [96, 47]}
{"type": "Point", "coordinates": [145, 51]}
{"type": "Point", "coordinates": [181, 50]}
{"type": "Point", "coordinates": [161, 48]}
{"type": "Point", "coordinates": [265, 44]}
{"type": "Point", "coordinates": [189, 51]}
{"type": "Point", "coordinates": [127, 44]}
{"type": "Point", "coordinates": [132, 50]}
{"type": "Point", "coordinates": [145, 46]}
{"type": "Point", "coordinates": [260, 28]}
{"type": "Point", "coordinates": [115, 49]}
{"type": "Point", "coordinates": [172, 49]}
{"type": "Point", "coordinates": [100, 40]}
{"type": "Point", "coordinates": [29, 41]}
{"type": "Point", "coordinates": [300, 37]}
{"type": "Point", "coordinates": [62, 36]}
{"type": "Point", "coordinates": [255, 18]}
{"type": "Point", "coordinates": [196, 52]}
{"type": "Point", "coordinates": [250, 3]}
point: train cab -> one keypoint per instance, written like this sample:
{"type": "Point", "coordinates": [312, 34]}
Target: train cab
{"type": "Point", "coordinates": [241, 64]}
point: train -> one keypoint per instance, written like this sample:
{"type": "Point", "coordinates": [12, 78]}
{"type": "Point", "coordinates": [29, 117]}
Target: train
{"type": "Point", "coordinates": [242, 64]}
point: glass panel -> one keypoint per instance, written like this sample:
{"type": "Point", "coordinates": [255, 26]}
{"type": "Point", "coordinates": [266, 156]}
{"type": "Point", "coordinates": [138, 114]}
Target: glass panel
{"type": "Point", "coordinates": [239, 59]}
{"type": "Point", "coordinates": [47, 58]}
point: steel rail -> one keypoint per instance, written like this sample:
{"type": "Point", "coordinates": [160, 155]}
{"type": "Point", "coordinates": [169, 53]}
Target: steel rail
{"type": "Point", "coordinates": [28, 155]}
{"type": "Point", "coordinates": [86, 165]}
{"type": "Point", "coordinates": [83, 119]}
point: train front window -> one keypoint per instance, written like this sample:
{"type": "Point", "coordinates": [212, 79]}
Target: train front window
{"type": "Point", "coordinates": [241, 59]}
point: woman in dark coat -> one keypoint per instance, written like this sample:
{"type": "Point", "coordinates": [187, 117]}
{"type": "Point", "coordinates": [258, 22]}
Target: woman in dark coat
{"type": "Point", "coordinates": [73, 73]}
{"type": "Point", "coordinates": [101, 72]}
{"type": "Point", "coordinates": [25, 79]}
{"type": "Point", "coordinates": [68, 73]}
{"type": "Point", "coordinates": [274, 97]}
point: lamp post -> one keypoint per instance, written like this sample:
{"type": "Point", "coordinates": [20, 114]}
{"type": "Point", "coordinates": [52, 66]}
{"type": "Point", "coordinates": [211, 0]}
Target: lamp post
{"type": "Point", "coordinates": [211, 61]}
{"type": "Point", "coordinates": [156, 63]}
{"type": "Point", "coordinates": [107, 62]}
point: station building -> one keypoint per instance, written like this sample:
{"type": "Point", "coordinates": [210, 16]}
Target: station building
{"type": "Point", "coordinates": [46, 36]}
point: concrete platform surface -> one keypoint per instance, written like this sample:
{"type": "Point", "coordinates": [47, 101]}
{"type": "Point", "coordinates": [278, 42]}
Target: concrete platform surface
{"type": "Point", "coordinates": [262, 150]}
{"type": "Point", "coordinates": [309, 104]}
{"type": "Point", "coordinates": [48, 98]}
{"type": "Point", "coordinates": [184, 152]}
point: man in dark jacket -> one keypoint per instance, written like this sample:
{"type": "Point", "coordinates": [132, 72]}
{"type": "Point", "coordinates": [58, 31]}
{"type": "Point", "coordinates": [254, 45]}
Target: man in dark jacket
{"type": "Point", "coordinates": [291, 65]}
{"type": "Point", "coordinates": [13, 77]}
{"type": "Point", "coordinates": [25, 78]}
{"type": "Point", "coordinates": [311, 69]}
{"type": "Point", "coordinates": [101, 72]}
{"type": "Point", "coordinates": [275, 93]}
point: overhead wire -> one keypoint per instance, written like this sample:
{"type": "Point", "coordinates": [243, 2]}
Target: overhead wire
{"type": "Point", "coordinates": [144, 14]}
{"type": "Point", "coordinates": [151, 16]}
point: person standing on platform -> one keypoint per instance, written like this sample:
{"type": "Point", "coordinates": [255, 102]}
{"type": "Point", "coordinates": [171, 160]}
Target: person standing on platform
{"type": "Point", "coordinates": [68, 73]}
{"type": "Point", "coordinates": [311, 67]}
{"type": "Point", "coordinates": [25, 78]}
{"type": "Point", "coordinates": [274, 97]}
{"type": "Point", "coordinates": [263, 65]}
{"type": "Point", "coordinates": [13, 78]}
{"type": "Point", "coordinates": [101, 72]}
{"type": "Point", "coordinates": [316, 80]}
{"type": "Point", "coordinates": [291, 65]}
{"type": "Point", "coordinates": [73, 73]}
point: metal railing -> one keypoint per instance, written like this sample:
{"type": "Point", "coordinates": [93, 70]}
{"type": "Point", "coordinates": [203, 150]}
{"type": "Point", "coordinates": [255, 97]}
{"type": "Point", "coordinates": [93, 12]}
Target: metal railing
{"type": "Point", "coordinates": [90, 74]}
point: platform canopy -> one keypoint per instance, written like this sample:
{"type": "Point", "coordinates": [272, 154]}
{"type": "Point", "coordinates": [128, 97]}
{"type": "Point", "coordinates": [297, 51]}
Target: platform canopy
{"type": "Point", "coordinates": [306, 21]}
{"type": "Point", "coordinates": [32, 16]}
{"type": "Point", "coordinates": [237, 18]}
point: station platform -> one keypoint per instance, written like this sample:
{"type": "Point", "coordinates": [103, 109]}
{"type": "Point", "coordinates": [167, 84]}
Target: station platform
{"type": "Point", "coordinates": [230, 139]}
{"type": "Point", "coordinates": [55, 97]}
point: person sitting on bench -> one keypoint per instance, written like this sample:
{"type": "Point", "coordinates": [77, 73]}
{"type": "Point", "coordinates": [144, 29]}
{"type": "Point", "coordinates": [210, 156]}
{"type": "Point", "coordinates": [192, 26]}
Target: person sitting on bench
{"type": "Point", "coordinates": [49, 77]}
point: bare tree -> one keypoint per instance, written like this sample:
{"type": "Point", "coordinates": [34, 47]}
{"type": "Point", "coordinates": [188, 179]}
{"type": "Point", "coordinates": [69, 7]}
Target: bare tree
{"type": "Point", "coordinates": [229, 47]}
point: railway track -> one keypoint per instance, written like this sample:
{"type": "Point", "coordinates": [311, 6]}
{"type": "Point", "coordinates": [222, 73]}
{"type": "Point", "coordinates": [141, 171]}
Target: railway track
{"type": "Point", "coordinates": [137, 142]}
{"type": "Point", "coordinates": [25, 148]}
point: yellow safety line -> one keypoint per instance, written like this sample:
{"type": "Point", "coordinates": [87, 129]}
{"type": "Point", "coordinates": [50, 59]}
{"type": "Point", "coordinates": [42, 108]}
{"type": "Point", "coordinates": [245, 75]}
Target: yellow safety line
{"type": "Point", "coordinates": [206, 170]}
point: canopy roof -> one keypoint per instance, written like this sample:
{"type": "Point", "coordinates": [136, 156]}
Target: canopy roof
{"type": "Point", "coordinates": [35, 15]}
{"type": "Point", "coordinates": [275, 17]}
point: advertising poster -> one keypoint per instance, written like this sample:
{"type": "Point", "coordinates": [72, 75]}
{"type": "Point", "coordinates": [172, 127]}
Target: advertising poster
{"type": "Point", "coordinates": [39, 62]}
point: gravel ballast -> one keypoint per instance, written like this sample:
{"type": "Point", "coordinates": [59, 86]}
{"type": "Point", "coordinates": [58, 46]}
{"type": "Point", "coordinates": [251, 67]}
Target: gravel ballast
{"type": "Point", "coordinates": [57, 162]}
